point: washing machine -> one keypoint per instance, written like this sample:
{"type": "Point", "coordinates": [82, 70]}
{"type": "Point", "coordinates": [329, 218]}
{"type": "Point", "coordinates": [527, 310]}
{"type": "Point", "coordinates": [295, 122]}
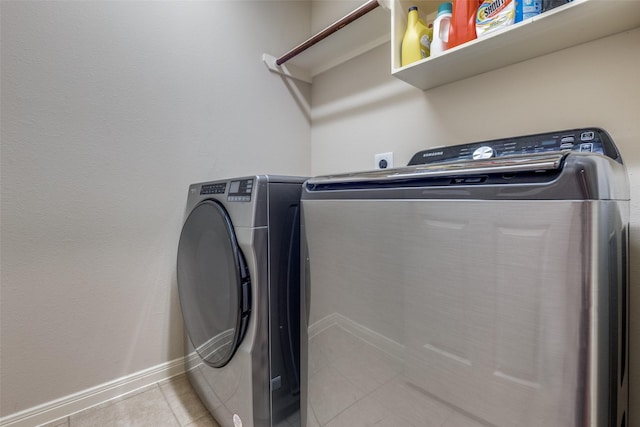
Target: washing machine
{"type": "Point", "coordinates": [238, 271]}
{"type": "Point", "coordinates": [485, 284]}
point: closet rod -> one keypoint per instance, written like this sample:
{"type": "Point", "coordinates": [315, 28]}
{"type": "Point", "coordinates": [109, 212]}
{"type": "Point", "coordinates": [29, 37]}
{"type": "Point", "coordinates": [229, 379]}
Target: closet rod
{"type": "Point", "coordinates": [341, 23]}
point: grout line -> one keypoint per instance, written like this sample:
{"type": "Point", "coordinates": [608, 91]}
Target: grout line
{"type": "Point", "coordinates": [166, 382]}
{"type": "Point", "coordinates": [166, 400]}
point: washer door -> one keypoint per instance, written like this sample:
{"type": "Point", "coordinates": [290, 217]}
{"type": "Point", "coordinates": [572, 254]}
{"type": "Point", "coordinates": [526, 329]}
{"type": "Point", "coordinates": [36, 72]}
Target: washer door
{"type": "Point", "coordinates": [213, 283]}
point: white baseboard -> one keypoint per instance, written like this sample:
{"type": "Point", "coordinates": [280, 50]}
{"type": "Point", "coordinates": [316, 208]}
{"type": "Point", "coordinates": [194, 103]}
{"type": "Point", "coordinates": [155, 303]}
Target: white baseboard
{"type": "Point", "coordinates": [374, 338]}
{"type": "Point", "coordinates": [325, 323]}
{"type": "Point", "coordinates": [85, 399]}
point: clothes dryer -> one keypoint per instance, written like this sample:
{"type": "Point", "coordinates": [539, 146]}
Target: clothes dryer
{"type": "Point", "coordinates": [239, 286]}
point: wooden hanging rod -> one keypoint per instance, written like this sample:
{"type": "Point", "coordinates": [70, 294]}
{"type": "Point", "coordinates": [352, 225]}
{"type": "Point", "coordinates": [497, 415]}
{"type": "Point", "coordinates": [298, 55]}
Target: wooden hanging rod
{"type": "Point", "coordinates": [341, 23]}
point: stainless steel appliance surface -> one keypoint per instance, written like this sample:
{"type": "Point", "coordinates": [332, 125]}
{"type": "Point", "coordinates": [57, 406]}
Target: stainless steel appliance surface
{"type": "Point", "coordinates": [484, 284]}
{"type": "Point", "coordinates": [238, 272]}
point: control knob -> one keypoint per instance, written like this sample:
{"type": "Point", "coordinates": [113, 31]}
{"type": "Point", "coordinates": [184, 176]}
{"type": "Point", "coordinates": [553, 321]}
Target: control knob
{"type": "Point", "coordinates": [484, 152]}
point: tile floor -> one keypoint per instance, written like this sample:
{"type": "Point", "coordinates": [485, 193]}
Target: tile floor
{"type": "Point", "coordinates": [353, 384]}
{"type": "Point", "coordinates": [171, 403]}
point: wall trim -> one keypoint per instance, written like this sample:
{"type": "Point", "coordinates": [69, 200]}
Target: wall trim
{"type": "Point", "coordinates": [387, 345]}
{"type": "Point", "coordinates": [325, 323]}
{"type": "Point", "coordinates": [93, 396]}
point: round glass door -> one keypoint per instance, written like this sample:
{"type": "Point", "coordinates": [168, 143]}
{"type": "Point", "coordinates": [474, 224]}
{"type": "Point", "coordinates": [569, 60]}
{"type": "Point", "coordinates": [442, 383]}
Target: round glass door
{"type": "Point", "coordinates": [213, 284]}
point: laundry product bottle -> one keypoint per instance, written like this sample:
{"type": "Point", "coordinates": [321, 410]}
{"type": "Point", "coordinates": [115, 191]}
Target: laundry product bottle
{"type": "Point", "coordinates": [463, 22]}
{"type": "Point", "coordinates": [494, 15]}
{"type": "Point", "coordinates": [417, 39]}
{"type": "Point", "coordinates": [441, 26]}
{"type": "Point", "coordinates": [526, 9]}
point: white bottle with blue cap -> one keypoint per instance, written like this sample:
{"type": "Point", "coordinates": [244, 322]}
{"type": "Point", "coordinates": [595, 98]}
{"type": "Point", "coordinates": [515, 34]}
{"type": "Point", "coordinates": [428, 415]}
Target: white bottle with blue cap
{"type": "Point", "coordinates": [441, 26]}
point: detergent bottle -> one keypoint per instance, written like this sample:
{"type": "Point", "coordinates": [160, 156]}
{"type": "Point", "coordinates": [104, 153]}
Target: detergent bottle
{"type": "Point", "coordinates": [526, 9]}
{"type": "Point", "coordinates": [494, 15]}
{"type": "Point", "coordinates": [417, 39]}
{"type": "Point", "coordinates": [441, 26]}
{"type": "Point", "coordinates": [463, 22]}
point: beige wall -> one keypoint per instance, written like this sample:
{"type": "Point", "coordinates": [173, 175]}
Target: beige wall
{"type": "Point", "coordinates": [358, 110]}
{"type": "Point", "coordinates": [109, 111]}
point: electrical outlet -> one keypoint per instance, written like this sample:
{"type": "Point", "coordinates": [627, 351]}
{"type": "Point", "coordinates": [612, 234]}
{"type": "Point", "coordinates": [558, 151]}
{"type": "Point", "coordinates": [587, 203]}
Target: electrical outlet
{"type": "Point", "coordinates": [383, 160]}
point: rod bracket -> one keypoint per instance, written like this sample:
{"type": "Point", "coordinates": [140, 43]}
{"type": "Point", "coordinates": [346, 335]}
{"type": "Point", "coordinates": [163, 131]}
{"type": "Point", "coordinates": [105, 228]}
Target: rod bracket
{"type": "Point", "coordinates": [286, 70]}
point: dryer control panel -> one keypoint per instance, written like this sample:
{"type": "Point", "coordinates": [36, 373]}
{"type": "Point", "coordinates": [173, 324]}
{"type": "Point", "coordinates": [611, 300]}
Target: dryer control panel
{"type": "Point", "coordinates": [590, 140]}
{"type": "Point", "coordinates": [240, 190]}
{"type": "Point", "coordinates": [217, 188]}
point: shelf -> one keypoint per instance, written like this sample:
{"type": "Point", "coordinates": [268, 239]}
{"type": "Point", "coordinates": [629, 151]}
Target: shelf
{"type": "Point", "coordinates": [569, 25]}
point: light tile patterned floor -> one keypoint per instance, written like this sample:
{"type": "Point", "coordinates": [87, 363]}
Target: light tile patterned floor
{"type": "Point", "coordinates": [354, 384]}
{"type": "Point", "coordinates": [171, 403]}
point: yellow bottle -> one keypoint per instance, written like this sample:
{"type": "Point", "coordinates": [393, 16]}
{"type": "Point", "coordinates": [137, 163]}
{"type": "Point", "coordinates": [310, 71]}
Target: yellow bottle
{"type": "Point", "coordinates": [416, 40]}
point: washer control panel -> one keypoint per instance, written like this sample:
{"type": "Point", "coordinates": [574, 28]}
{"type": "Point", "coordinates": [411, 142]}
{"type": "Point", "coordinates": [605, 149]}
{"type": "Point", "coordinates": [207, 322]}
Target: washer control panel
{"type": "Point", "coordinates": [484, 152]}
{"type": "Point", "coordinates": [591, 140]}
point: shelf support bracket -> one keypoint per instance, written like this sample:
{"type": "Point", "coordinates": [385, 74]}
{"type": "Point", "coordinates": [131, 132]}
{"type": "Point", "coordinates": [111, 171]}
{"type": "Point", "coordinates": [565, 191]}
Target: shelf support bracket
{"type": "Point", "coordinates": [286, 70]}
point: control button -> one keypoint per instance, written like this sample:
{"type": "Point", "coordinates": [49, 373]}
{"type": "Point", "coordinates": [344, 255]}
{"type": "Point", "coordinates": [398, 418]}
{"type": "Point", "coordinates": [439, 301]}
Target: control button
{"type": "Point", "coordinates": [587, 136]}
{"type": "Point", "coordinates": [586, 147]}
{"type": "Point", "coordinates": [213, 189]}
{"type": "Point", "coordinates": [484, 152]}
{"type": "Point", "coordinates": [567, 139]}
{"type": "Point", "coordinates": [566, 145]}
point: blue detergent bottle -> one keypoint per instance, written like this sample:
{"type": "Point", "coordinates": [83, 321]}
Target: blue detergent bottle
{"type": "Point", "coordinates": [526, 9]}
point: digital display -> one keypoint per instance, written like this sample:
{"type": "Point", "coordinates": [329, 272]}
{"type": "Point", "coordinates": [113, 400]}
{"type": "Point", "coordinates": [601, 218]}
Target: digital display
{"type": "Point", "coordinates": [240, 190]}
